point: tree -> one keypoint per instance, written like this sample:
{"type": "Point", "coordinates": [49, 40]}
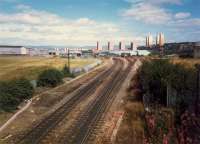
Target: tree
{"type": "Point", "coordinates": [50, 78]}
{"type": "Point", "coordinates": [14, 92]}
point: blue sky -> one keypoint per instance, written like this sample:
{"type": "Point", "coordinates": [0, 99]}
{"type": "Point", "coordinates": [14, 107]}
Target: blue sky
{"type": "Point", "coordinates": [83, 22]}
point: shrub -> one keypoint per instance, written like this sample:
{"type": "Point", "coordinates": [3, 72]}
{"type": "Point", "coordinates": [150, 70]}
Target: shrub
{"type": "Point", "coordinates": [8, 102]}
{"type": "Point", "coordinates": [50, 78]}
{"type": "Point", "coordinates": [21, 88]}
{"type": "Point", "coordinates": [13, 92]}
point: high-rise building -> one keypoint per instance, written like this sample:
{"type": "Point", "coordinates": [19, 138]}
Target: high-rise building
{"type": "Point", "coordinates": [110, 46]}
{"type": "Point", "coordinates": [149, 40]}
{"type": "Point", "coordinates": [157, 39]}
{"type": "Point", "coordinates": [161, 40]}
{"type": "Point", "coordinates": [132, 46]}
{"type": "Point", "coordinates": [121, 46]}
{"type": "Point", "coordinates": [99, 47]}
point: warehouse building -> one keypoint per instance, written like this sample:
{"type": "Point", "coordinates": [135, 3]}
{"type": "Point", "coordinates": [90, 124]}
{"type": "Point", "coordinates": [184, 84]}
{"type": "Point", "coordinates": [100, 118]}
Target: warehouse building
{"type": "Point", "coordinates": [13, 50]}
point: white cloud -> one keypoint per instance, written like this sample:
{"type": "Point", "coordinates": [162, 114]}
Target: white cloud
{"type": "Point", "coordinates": [152, 12]}
{"type": "Point", "coordinates": [182, 15]}
{"type": "Point", "coordinates": [29, 26]}
{"type": "Point", "coordinates": [189, 23]}
{"type": "Point", "coordinates": [178, 2]}
{"type": "Point", "coordinates": [156, 16]}
{"type": "Point", "coordinates": [148, 13]}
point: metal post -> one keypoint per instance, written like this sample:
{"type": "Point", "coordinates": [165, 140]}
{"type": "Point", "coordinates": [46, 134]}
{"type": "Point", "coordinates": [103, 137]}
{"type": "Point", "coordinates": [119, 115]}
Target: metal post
{"type": "Point", "coordinates": [197, 89]}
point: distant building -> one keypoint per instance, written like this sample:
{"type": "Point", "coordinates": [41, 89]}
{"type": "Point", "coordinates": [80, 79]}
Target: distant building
{"type": "Point", "coordinates": [99, 47]}
{"type": "Point", "coordinates": [186, 49]}
{"type": "Point", "coordinates": [161, 39]}
{"type": "Point", "coordinates": [197, 50]}
{"type": "Point", "coordinates": [110, 46]}
{"type": "Point", "coordinates": [132, 46]}
{"type": "Point", "coordinates": [121, 46]}
{"type": "Point", "coordinates": [183, 49]}
{"type": "Point", "coordinates": [13, 50]}
{"type": "Point", "coordinates": [149, 41]}
{"type": "Point", "coordinates": [157, 39]}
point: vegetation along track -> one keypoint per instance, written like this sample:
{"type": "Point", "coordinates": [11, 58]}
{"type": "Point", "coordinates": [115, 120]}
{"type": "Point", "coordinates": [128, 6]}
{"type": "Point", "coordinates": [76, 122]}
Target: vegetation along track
{"type": "Point", "coordinates": [82, 131]}
{"type": "Point", "coordinates": [35, 135]}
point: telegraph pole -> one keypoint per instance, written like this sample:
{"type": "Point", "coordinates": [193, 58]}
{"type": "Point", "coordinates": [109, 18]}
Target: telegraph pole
{"type": "Point", "coordinates": [68, 59]}
{"type": "Point", "coordinates": [197, 89]}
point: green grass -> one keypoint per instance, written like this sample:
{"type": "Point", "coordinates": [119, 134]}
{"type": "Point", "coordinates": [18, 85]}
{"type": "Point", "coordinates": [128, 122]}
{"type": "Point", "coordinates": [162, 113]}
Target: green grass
{"type": "Point", "coordinates": [12, 67]}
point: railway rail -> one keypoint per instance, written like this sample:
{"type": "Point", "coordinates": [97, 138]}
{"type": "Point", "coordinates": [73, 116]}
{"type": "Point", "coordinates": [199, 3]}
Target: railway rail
{"type": "Point", "coordinates": [35, 135]}
{"type": "Point", "coordinates": [83, 130]}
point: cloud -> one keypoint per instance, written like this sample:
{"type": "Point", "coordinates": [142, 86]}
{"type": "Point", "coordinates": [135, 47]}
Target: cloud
{"type": "Point", "coordinates": [178, 2]}
{"type": "Point", "coordinates": [182, 15]}
{"type": "Point", "coordinates": [154, 13]}
{"type": "Point", "coordinates": [148, 13]}
{"type": "Point", "coordinates": [33, 27]}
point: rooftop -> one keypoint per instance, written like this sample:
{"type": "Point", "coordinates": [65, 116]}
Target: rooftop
{"type": "Point", "coordinates": [9, 46]}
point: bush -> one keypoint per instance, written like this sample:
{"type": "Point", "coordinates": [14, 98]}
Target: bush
{"type": "Point", "coordinates": [14, 92]}
{"type": "Point", "coordinates": [21, 88]}
{"type": "Point", "coordinates": [50, 78]}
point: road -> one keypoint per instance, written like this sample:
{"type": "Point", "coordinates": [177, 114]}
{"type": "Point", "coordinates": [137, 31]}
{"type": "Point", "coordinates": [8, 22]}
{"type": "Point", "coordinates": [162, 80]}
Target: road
{"type": "Point", "coordinates": [77, 120]}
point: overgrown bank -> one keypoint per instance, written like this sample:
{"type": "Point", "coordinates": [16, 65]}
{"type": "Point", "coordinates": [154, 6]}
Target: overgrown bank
{"type": "Point", "coordinates": [160, 107]}
{"type": "Point", "coordinates": [170, 99]}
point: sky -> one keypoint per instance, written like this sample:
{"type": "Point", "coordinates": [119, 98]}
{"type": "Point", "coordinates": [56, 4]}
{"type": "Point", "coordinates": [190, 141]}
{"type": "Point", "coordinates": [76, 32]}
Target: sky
{"type": "Point", "coordinates": [83, 22]}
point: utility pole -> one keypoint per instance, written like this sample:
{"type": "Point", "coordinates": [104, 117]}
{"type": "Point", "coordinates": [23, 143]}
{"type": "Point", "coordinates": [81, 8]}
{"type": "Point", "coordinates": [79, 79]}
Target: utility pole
{"type": "Point", "coordinates": [197, 89]}
{"type": "Point", "coordinates": [68, 59]}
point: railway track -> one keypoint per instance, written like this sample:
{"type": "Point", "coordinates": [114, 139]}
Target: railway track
{"type": "Point", "coordinates": [83, 130]}
{"type": "Point", "coordinates": [46, 125]}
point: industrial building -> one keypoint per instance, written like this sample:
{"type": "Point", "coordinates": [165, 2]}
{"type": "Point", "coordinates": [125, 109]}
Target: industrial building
{"type": "Point", "coordinates": [13, 50]}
